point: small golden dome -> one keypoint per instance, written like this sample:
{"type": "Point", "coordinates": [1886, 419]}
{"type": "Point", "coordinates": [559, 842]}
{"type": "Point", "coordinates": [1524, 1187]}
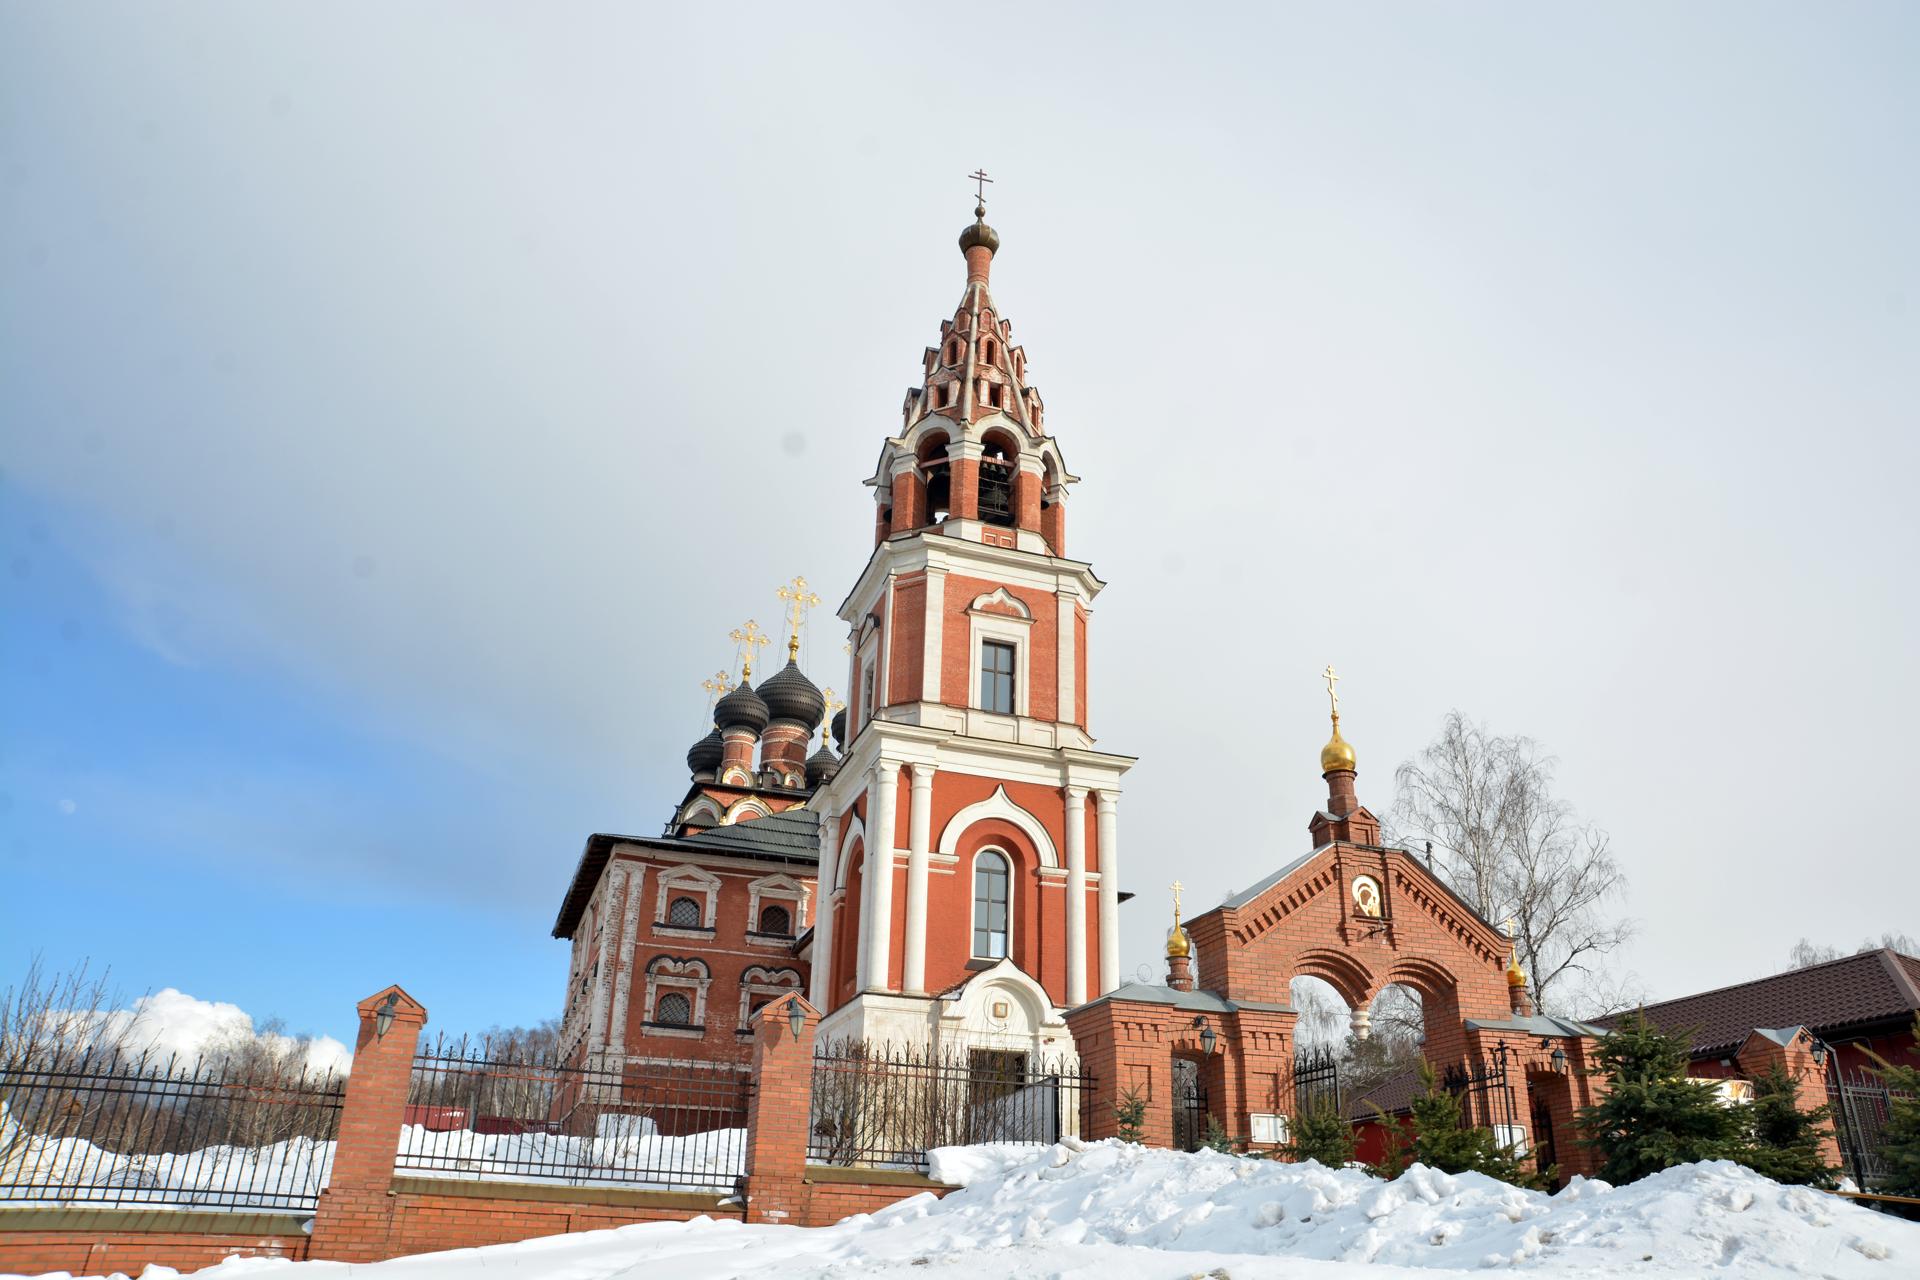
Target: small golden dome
{"type": "Point", "coordinates": [1179, 946]}
{"type": "Point", "coordinates": [1337, 754]}
{"type": "Point", "coordinates": [1516, 976]}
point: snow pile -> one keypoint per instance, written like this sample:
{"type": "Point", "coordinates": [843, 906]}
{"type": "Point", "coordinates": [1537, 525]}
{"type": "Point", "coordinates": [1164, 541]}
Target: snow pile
{"type": "Point", "coordinates": [285, 1175]}
{"type": "Point", "coordinates": [1107, 1211]}
{"type": "Point", "coordinates": [1691, 1218]}
{"type": "Point", "coordinates": [630, 1155]}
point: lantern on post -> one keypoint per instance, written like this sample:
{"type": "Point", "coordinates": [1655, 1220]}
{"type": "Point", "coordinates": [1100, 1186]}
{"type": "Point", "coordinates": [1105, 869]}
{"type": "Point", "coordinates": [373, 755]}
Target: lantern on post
{"type": "Point", "coordinates": [383, 1015]}
{"type": "Point", "coordinates": [796, 1018]}
{"type": "Point", "coordinates": [1207, 1036]}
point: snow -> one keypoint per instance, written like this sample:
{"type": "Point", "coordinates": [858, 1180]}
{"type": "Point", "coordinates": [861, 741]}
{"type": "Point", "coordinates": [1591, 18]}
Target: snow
{"type": "Point", "coordinates": [1110, 1211]}
{"type": "Point", "coordinates": [626, 1154]}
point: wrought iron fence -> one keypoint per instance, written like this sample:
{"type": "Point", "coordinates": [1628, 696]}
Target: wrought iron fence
{"type": "Point", "coordinates": [158, 1132]}
{"type": "Point", "coordinates": [1316, 1081]}
{"type": "Point", "coordinates": [673, 1124]}
{"type": "Point", "coordinates": [1862, 1107]}
{"type": "Point", "coordinates": [886, 1106]}
{"type": "Point", "coordinates": [1486, 1098]}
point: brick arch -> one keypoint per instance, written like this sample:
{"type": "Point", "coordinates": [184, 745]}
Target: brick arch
{"type": "Point", "coordinates": [1425, 975]}
{"type": "Point", "coordinates": [1351, 980]}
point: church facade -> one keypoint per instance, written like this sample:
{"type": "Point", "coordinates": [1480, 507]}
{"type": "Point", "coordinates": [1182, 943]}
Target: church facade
{"type": "Point", "coordinates": [950, 878]}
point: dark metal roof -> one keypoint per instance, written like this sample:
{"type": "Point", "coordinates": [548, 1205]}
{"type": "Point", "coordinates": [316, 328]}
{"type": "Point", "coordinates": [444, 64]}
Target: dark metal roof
{"type": "Point", "coordinates": [1200, 1001]}
{"type": "Point", "coordinates": [1394, 1095]}
{"type": "Point", "coordinates": [1834, 999]}
{"type": "Point", "coordinates": [791, 836]}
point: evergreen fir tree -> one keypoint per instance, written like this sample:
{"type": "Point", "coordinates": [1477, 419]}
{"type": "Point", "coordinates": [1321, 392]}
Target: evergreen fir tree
{"type": "Point", "coordinates": [1130, 1115]}
{"type": "Point", "coordinates": [1443, 1140]}
{"type": "Point", "coordinates": [1653, 1117]}
{"type": "Point", "coordinates": [1319, 1133]}
{"type": "Point", "coordinates": [1783, 1142]}
{"type": "Point", "coordinates": [1900, 1140]}
{"type": "Point", "coordinates": [1217, 1138]}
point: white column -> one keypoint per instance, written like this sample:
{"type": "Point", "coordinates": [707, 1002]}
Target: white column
{"type": "Point", "coordinates": [878, 889]}
{"type": "Point", "coordinates": [930, 646]}
{"type": "Point", "coordinates": [1107, 806]}
{"type": "Point", "coordinates": [913, 977]}
{"type": "Point", "coordinates": [1066, 632]}
{"type": "Point", "coordinates": [821, 984]}
{"type": "Point", "coordinates": [1077, 896]}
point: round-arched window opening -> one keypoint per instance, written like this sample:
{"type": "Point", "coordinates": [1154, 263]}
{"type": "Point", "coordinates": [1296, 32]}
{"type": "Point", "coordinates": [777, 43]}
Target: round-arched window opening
{"type": "Point", "coordinates": [933, 467]}
{"type": "Point", "coordinates": [674, 1010]}
{"type": "Point", "coordinates": [992, 904]}
{"type": "Point", "coordinates": [684, 913]}
{"type": "Point", "coordinates": [776, 919]}
{"type": "Point", "coordinates": [997, 455]}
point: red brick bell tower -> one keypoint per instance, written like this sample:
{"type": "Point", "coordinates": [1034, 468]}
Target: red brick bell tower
{"type": "Point", "coordinates": [970, 842]}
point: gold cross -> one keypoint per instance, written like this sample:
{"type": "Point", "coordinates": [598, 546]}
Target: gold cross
{"type": "Point", "coordinates": [715, 685]}
{"type": "Point", "coordinates": [1177, 887]}
{"type": "Point", "coordinates": [747, 639]}
{"type": "Point", "coordinates": [826, 716]}
{"type": "Point", "coordinates": [1333, 694]}
{"type": "Point", "coordinates": [799, 600]}
{"type": "Point", "coordinates": [980, 180]}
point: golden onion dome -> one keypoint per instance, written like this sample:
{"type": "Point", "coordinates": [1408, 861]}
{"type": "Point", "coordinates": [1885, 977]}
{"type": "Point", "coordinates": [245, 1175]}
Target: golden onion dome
{"type": "Point", "coordinates": [1179, 946]}
{"type": "Point", "coordinates": [1516, 976]}
{"type": "Point", "coordinates": [1338, 753]}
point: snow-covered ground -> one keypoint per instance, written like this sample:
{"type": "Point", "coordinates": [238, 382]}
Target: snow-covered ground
{"type": "Point", "coordinates": [1108, 1211]}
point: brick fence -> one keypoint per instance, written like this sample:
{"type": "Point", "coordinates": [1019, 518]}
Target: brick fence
{"type": "Point", "coordinates": [368, 1212]}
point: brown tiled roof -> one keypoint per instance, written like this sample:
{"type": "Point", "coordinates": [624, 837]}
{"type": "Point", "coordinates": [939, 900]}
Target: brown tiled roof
{"type": "Point", "coordinates": [1393, 1095]}
{"type": "Point", "coordinates": [1873, 987]}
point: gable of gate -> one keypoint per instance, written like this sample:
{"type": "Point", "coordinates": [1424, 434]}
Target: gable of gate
{"type": "Point", "coordinates": [1359, 917]}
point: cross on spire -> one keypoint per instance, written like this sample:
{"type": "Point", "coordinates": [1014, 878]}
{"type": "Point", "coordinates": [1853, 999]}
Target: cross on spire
{"type": "Point", "coordinates": [748, 638]}
{"type": "Point", "coordinates": [1177, 887]}
{"type": "Point", "coordinates": [831, 705]}
{"type": "Point", "coordinates": [799, 600]}
{"type": "Point", "coordinates": [980, 181]}
{"type": "Point", "coordinates": [715, 685]}
{"type": "Point", "coordinates": [1333, 694]}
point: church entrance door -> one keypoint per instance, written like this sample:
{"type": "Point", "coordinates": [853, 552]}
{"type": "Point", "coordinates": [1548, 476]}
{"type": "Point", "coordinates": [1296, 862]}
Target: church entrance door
{"type": "Point", "coordinates": [1189, 1105]}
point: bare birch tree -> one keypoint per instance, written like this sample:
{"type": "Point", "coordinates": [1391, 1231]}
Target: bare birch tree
{"type": "Point", "coordinates": [1805, 952]}
{"type": "Point", "coordinates": [1514, 850]}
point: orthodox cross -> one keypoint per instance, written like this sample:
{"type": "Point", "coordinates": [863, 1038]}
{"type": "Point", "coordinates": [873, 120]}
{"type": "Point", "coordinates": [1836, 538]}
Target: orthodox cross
{"type": "Point", "coordinates": [799, 600]}
{"type": "Point", "coordinates": [833, 704]}
{"type": "Point", "coordinates": [715, 685]}
{"type": "Point", "coordinates": [747, 638]}
{"type": "Point", "coordinates": [980, 181]}
{"type": "Point", "coordinates": [1333, 694]}
{"type": "Point", "coordinates": [1177, 887]}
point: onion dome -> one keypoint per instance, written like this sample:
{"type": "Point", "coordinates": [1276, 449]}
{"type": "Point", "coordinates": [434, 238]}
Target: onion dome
{"type": "Point", "coordinates": [1179, 946]}
{"type": "Point", "coordinates": [741, 709]}
{"type": "Point", "coordinates": [1338, 753]}
{"type": "Point", "coordinates": [980, 235]}
{"type": "Point", "coordinates": [704, 755]}
{"type": "Point", "coordinates": [821, 766]}
{"type": "Point", "coordinates": [789, 695]}
{"type": "Point", "coordinates": [839, 727]}
{"type": "Point", "coordinates": [1516, 976]}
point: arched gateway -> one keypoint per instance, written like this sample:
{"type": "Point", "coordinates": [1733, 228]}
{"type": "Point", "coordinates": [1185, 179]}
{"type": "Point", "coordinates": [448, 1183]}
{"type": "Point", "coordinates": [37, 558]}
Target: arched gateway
{"type": "Point", "coordinates": [1360, 916]}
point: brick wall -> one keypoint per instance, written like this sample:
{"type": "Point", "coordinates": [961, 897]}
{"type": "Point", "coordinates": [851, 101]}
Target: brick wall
{"type": "Point", "coordinates": [101, 1241]}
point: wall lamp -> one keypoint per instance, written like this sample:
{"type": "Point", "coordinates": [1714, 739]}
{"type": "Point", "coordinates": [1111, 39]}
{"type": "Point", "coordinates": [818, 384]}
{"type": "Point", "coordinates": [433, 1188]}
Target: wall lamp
{"type": "Point", "coordinates": [796, 1018]}
{"type": "Point", "coordinates": [1559, 1060]}
{"type": "Point", "coordinates": [1819, 1053]}
{"type": "Point", "coordinates": [383, 1015]}
{"type": "Point", "coordinates": [1207, 1037]}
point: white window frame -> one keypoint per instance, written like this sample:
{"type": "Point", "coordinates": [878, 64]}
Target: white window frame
{"type": "Point", "coordinates": [973, 898]}
{"type": "Point", "coordinates": [689, 976]}
{"type": "Point", "coordinates": [761, 981]}
{"type": "Point", "coordinates": [1016, 631]}
{"type": "Point", "coordinates": [687, 881]}
{"type": "Point", "coordinates": [785, 890]}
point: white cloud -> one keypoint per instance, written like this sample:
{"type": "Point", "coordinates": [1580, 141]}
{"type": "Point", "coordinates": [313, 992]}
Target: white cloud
{"type": "Point", "coordinates": [171, 1022]}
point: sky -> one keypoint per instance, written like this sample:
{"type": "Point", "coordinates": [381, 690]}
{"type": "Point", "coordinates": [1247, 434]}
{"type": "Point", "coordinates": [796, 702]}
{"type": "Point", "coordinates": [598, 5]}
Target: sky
{"type": "Point", "coordinates": [398, 406]}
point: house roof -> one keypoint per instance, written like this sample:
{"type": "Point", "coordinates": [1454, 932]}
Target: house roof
{"type": "Point", "coordinates": [790, 836]}
{"type": "Point", "coordinates": [1392, 1095]}
{"type": "Point", "coordinates": [1833, 999]}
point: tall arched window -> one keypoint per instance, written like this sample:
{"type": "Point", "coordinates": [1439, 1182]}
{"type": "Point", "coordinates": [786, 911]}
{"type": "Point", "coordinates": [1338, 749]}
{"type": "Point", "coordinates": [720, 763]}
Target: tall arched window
{"type": "Point", "coordinates": [992, 904]}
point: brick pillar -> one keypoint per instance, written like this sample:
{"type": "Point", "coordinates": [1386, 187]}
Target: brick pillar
{"type": "Point", "coordinates": [1758, 1055]}
{"type": "Point", "coordinates": [780, 1114]}
{"type": "Point", "coordinates": [353, 1223]}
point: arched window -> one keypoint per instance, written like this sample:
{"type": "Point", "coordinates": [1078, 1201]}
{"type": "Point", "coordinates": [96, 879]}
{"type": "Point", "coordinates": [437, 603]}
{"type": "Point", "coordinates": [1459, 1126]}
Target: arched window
{"type": "Point", "coordinates": [996, 479]}
{"type": "Point", "coordinates": [775, 918]}
{"type": "Point", "coordinates": [674, 1009]}
{"type": "Point", "coordinates": [684, 913]}
{"type": "Point", "coordinates": [992, 904]}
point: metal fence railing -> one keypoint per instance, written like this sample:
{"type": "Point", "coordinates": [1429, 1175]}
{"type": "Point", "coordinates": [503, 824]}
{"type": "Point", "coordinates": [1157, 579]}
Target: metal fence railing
{"type": "Point", "coordinates": [1862, 1104]}
{"type": "Point", "coordinates": [886, 1106]}
{"type": "Point", "coordinates": [676, 1125]}
{"type": "Point", "coordinates": [109, 1129]}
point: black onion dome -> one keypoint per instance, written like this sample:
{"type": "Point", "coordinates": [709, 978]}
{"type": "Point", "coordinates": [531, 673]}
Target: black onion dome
{"type": "Point", "coordinates": [839, 727]}
{"type": "Point", "coordinates": [741, 709]}
{"type": "Point", "coordinates": [704, 755]}
{"type": "Point", "coordinates": [980, 234]}
{"type": "Point", "coordinates": [821, 766]}
{"type": "Point", "coordinates": [789, 695]}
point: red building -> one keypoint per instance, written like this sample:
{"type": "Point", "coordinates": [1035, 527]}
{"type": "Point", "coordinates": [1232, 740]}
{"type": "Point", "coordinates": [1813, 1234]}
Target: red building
{"type": "Point", "coordinates": [953, 879]}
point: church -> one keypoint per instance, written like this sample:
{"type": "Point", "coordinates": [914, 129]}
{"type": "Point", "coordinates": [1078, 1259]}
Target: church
{"type": "Point", "coordinates": [949, 878]}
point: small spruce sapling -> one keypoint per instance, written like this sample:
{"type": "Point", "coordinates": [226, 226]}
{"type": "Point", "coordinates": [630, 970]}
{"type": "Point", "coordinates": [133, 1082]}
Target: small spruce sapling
{"type": "Point", "coordinates": [1443, 1140]}
{"type": "Point", "coordinates": [1783, 1142]}
{"type": "Point", "coordinates": [1130, 1115]}
{"type": "Point", "coordinates": [1217, 1139]}
{"type": "Point", "coordinates": [1319, 1133]}
{"type": "Point", "coordinates": [1900, 1140]}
